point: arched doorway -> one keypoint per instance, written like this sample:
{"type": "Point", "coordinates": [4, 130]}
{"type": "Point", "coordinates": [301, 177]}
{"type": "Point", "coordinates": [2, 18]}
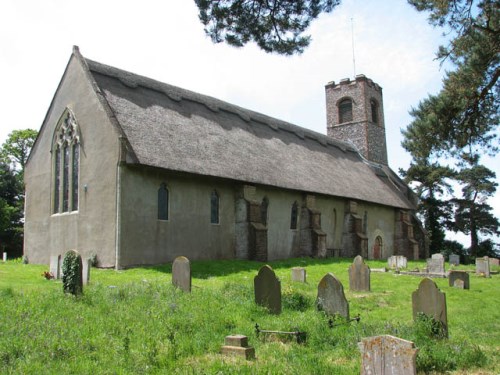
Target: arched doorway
{"type": "Point", "coordinates": [378, 248]}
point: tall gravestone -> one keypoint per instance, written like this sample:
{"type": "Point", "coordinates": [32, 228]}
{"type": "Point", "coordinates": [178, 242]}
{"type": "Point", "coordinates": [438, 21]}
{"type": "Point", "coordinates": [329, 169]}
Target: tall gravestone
{"type": "Point", "coordinates": [72, 273]}
{"type": "Point", "coordinates": [430, 301]}
{"type": "Point", "coordinates": [55, 266]}
{"type": "Point", "coordinates": [387, 355]}
{"type": "Point", "coordinates": [87, 265]}
{"type": "Point", "coordinates": [435, 265]}
{"type": "Point", "coordinates": [459, 279]}
{"type": "Point", "coordinates": [331, 298]}
{"type": "Point", "coordinates": [267, 288]}
{"type": "Point", "coordinates": [359, 275]}
{"type": "Point", "coordinates": [483, 266]}
{"type": "Point", "coordinates": [454, 259]}
{"type": "Point", "coordinates": [181, 274]}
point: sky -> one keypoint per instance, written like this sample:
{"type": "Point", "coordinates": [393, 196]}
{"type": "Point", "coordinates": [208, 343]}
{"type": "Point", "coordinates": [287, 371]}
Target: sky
{"type": "Point", "coordinates": [387, 41]}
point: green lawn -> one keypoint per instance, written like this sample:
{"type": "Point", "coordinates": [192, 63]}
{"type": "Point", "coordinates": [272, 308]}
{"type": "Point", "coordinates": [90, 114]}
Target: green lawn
{"type": "Point", "coordinates": [135, 322]}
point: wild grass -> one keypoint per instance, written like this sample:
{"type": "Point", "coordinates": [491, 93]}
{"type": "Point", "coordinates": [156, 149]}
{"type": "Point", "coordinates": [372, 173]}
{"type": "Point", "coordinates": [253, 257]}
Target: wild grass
{"type": "Point", "coordinates": [135, 322]}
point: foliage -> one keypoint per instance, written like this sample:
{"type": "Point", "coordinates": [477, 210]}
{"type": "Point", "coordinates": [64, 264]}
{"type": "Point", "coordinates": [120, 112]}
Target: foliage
{"type": "Point", "coordinates": [72, 273]}
{"type": "Point", "coordinates": [134, 321]}
{"type": "Point", "coordinates": [17, 147]}
{"type": "Point", "coordinates": [275, 25]}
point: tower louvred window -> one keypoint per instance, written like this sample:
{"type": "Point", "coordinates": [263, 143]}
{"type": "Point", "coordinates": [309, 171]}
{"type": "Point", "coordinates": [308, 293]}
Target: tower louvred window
{"type": "Point", "coordinates": [345, 110]}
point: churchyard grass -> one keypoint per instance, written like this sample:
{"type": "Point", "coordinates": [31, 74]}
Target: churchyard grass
{"type": "Point", "coordinates": [135, 322]}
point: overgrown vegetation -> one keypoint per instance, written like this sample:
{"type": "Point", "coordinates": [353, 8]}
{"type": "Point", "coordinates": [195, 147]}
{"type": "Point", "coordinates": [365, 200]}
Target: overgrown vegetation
{"type": "Point", "coordinates": [134, 321]}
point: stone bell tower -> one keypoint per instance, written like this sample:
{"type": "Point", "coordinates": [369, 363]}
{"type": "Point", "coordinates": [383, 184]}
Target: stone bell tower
{"type": "Point", "coordinates": [355, 113]}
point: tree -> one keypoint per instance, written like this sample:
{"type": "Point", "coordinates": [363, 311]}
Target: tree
{"type": "Point", "coordinates": [275, 25]}
{"type": "Point", "coordinates": [17, 147]}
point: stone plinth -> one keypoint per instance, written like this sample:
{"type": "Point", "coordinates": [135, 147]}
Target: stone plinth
{"type": "Point", "coordinates": [237, 345]}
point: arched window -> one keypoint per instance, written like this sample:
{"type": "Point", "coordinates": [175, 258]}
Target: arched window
{"type": "Point", "coordinates": [374, 108]}
{"type": "Point", "coordinates": [214, 207]}
{"type": "Point", "coordinates": [263, 210]}
{"type": "Point", "coordinates": [294, 215]}
{"type": "Point", "coordinates": [345, 110]}
{"type": "Point", "coordinates": [66, 162]}
{"type": "Point", "coordinates": [163, 202]}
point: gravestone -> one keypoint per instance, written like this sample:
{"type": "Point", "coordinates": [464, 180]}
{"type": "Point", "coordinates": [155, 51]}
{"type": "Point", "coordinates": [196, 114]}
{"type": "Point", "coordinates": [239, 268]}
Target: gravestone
{"type": "Point", "coordinates": [71, 271]}
{"type": "Point", "coordinates": [359, 275]}
{"type": "Point", "coordinates": [483, 266]}
{"type": "Point", "coordinates": [267, 288]}
{"type": "Point", "coordinates": [331, 298]}
{"type": "Point", "coordinates": [55, 266]}
{"type": "Point", "coordinates": [387, 355]}
{"type": "Point", "coordinates": [494, 262]}
{"type": "Point", "coordinates": [397, 261]}
{"type": "Point", "coordinates": [429, 300]}
{"type": "Point", "coordinates": [87, 265]}
{"type": "Point", "coordinates": [237, 345]}
{"type": "Point", "coordinates": [435, 265]}
{"type": "Point", "coordinates": [181, 274]}
{"type": "Point", "coordinates": [5, 257]}
{"type": "Point", "coordinates": [299, 274]}
{"type": "Point", "coordinates": [454, 259]}
{"type": "Point", "coordinates": [455, 276]}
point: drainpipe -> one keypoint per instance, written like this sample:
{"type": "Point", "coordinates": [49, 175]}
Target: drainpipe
{"type": "Point", "coordinates": [118, 215]}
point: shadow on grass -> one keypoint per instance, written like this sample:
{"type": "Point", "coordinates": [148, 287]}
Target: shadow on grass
{"type": "Point", "coordinates": [203, 269]}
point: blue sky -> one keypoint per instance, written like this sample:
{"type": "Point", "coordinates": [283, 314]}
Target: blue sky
{"type": "Point", "coordinates": [163, 39]}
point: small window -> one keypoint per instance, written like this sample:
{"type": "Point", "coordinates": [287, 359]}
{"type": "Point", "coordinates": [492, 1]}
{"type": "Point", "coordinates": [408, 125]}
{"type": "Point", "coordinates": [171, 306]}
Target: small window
{"type": "Point", "coordinates": [163, 202]}
{"type": "Point", "coordinates": [263, 210]}
{"type": "Point", "coordinates": [365, 223]}
{"type": "Point", "coordinates": [214, 208]}
{"type": "Point", "coordinates": [294, 215]}
{"type": "Point", "coordinates": [374, 107]}
{"type": "Point", "coordinates": [345, 111]}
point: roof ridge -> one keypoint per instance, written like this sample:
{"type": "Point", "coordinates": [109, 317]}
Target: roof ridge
{"type": "Point", "coordinates": [177, 94]}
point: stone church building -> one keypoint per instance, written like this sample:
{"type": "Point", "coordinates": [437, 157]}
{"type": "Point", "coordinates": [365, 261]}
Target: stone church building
{"type": "Point", "coordinates": [138, 172]}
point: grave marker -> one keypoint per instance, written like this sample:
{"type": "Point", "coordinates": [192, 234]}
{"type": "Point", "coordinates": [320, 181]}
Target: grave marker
{"type": "Point", "coordinates": [359, 275]}
{"type": "Point", "coordinates": [435, 265]}
{"type": "Point", "coordinates": [483, 266]}
{"type": "Point", "coordinates": [430, 301]}
{"type": "Point", "coordinates": [5, 257]}
{"type": "Point", "coordinates": [331, 298]}
{"type": "Point", "coordinates": [55, 266]}
{"type": "Point", "coordinates": [454, 259]}
{"type": "Point", "coordinates": [181, 274]}
{"type": "Point", "coordinates": [387, 355]}
{"type": "Point", "coordinates": [299, 274]}
{"type": "Point", "coordinates": [494, 262]}
{"type": "Point", "coordinates": [455, 276]}
{"type": "Point", "coordinates": [237, 345]}
{"type": "Point", "coordinates": [397, 261]}
{"type": "Point", "coordinates": [87, 265]}
{"type": "Point", "coordinates": [267, 288]}
{"type": "Point", "coordinates": [72, 273]}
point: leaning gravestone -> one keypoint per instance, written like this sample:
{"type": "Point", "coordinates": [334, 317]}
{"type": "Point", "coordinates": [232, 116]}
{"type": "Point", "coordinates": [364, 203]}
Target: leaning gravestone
{"type": "Point", "coordinates": [359, 275]}
{"type": "Point", "coordinates": [299, 274]}
{"type": "Point", "coordinates": [459, 279]}
{"type": "Point", "coordinates": [55, 269]}
{"type": "Point", "coordinates": [431, 302]}
{"type": "Point", "coordinates": [397, 261]}
{"type": "Point", "coordinates": [267, 288]}
{"type": "Point", "coordinates": [483, 266]}
{"type": "Point", "coordinates": [435, 265]}
{"type": "Point", "coordinates": [387, 355]}
{"type": "Point", "coordinates": [454, 259]}
{"type": "Point", "coordinates": [72, 273]}
{"type": "Point", "coordinates": [331, 298]}
{"type": "Point", "coordinates": [181, 274]}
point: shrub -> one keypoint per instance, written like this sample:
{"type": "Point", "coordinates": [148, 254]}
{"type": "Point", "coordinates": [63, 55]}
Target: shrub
{"type": "Point", "coordinates": [72, 273]}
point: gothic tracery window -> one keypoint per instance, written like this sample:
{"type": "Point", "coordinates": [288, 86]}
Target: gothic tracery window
{"type": "Point", "coordinates": [66, 162]}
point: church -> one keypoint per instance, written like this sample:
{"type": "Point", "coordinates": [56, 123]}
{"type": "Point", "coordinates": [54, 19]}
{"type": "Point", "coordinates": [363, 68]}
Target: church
{"type": "Point", "coordinates": [138, 172]}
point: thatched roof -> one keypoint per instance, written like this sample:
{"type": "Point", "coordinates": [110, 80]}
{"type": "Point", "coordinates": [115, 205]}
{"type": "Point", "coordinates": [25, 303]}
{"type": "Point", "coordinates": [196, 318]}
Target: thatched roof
{"type": "Point", "coordinates": [175, 129]}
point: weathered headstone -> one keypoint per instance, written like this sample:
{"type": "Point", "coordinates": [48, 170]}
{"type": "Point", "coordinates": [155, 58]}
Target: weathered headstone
{"type": "Point", "coordinates": [87, 265]}
{"type": "Point", "coordinates": [299, 274]}
{"type": "Point", "coordinates": [237, 345]}
{"type": "Point", "coordinates": [181, 274]}
{"type": "Point", "coordinates": [359, 275]}
{"type": "Point", "coordinates": [455, 276]}
{"type": "Point", "coordinates": [5, 257]}
{"type": "Point", "coordinates": [72, 273]}
{"type": "Point", "coordinates": [494, 262]}
{"type": "Point", "coordinates": [435, 265]}
{"type": "Point", "coordinates": [483, 266]}
{"type": "Point", "coordinates": [397, 261]}
{"type": "Point", "coordinates": [387, 355]}
{"type": "Point", "coordinates": [55, 266]}
{"type": "Point", "coordinates": [331, 297]}
{"type": "Point", "coordinates": [454, 259]}
{"type": "Point", "coordinates": [430, 301]}
{"type": "Point", "coordinates": [267, 288]}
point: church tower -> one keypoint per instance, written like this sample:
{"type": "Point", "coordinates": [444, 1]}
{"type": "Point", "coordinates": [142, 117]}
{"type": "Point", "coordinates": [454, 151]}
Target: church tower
{"type": "Point", "coordinates": [355, 114]}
